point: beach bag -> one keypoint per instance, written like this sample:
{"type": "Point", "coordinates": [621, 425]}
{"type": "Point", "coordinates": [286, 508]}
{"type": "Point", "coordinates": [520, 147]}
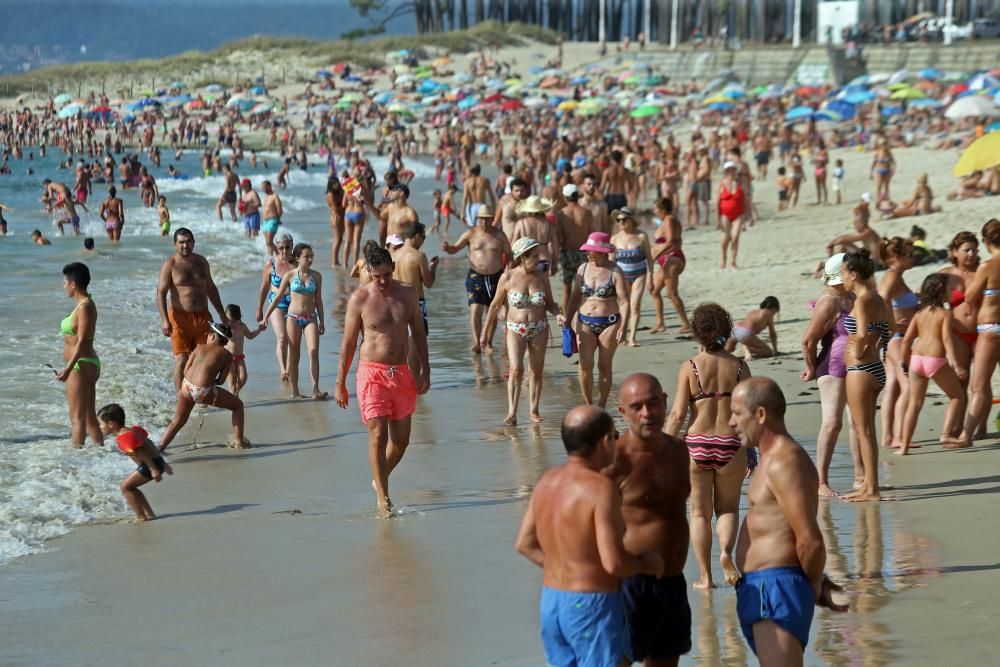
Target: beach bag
{"type": "Point", "coordinates": [569, 342]}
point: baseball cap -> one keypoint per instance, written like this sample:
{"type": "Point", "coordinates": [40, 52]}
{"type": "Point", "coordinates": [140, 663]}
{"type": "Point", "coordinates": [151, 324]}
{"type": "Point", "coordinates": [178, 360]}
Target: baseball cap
{"type": "Point", "coordinates": [394, 240]}
{"type": "Point", "coordinates": [569, 190]}
{"type": "Point", "coordinates": [245, 183]}
{"type": "Point", "coordinates": [866, 197]}
{"type": "Point", "coordinates": [729, 164]}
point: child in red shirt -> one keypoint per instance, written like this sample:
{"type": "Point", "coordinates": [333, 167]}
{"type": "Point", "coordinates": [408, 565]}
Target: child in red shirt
{"type": "Point", "coordinates": [134, 441]}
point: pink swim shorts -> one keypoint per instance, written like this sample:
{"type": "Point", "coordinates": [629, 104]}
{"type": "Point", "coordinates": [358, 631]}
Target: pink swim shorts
{"type": "Point", "coordinates": [385, 390]}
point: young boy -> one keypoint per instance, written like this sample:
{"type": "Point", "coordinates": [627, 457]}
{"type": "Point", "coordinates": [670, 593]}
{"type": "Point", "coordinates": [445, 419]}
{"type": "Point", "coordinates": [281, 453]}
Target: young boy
{"type": "Point", "coordinates": [38, 239]}
{"type": "Point", "coordinates": [238, 372]}
{"type": "Point", "coordinates": [134, 441]}
{"type": "Point", "coordinates": [784, 185]}
{"type": "Point", "coordinates": [164, 216]}
{"type": "Point", "coordinates": [436, 205]}
{"type": "Point", "coordinates": [838, 178]}
{"type": "Point", "coordinates": [208, 366]}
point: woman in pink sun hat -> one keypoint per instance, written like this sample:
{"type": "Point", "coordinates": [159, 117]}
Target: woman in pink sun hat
{"type": "Point", "coordinates": [600, 300]}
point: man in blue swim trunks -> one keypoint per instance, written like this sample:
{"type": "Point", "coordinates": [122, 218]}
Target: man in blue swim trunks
{"type": "Point", "coordinates": [250, 208]}
{"type": "Point", "coordinates": [573, 530]}
{"type": "Point", "coordinates": [780, 550]}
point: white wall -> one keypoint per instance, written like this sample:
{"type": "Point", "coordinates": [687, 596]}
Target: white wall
{"type": "Point", "coordinates": [835, 16]}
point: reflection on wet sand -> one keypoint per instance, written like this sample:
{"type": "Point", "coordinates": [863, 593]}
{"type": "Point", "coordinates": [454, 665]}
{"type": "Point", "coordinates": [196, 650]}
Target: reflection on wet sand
{"type": "Point", "coordinates": [709, 647]}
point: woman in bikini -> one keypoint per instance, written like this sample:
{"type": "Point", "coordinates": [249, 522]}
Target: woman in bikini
{"type": "Point", "coordinates": [354, 214]}
{"type": "Point", "coordinates": [869, 328]}
{"type": "Point", "coordinates": [83, 367]}
{"type": "Point", "coordinates": [883, 167]}
{"type": "Point", "coordinates": [305, 316]}
{"type": "Point", "coordinates": [335, 202]}
{"type": "Point", "coordinates": [820, 159]}
{"type": "Point", "coordinates": [932, 357]}
{"type": "Point", "coordinates": [732, 203]}
{"type": "Point", "coordinates": [897, 255]}
{"type": "Point", "coordinates": [984, 290]}
{"type": "Point", "coordinates": [528, 296]}
{"type": "Point", "coordinates": [599, 298]}
{"type": "Point", "coordinates": [113, 214]}
{"type": "Point", "coordinates": [667, 253]}
{"type": "Point", "coordinates": [963, 253]}
{"type": "Point", "coordinates": [635, 259]}
{"type": "Point", "coordinates": [922, 202]}
{"type": "Point", "coordinates": [719, 463]}
{"type": "Point", "coordinates": [826, 366]}
{"type": "Point", "coordinates": [274, 268]}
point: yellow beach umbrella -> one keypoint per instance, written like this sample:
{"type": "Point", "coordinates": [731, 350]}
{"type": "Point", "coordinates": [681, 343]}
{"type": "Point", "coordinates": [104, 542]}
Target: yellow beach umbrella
{"type": "Point", "coordinates": [717, 98]}
{"type": "Point", "coordinates": [983, 154]}
{"type": "Point", "coordinates": [568, 105]}
{"type": "Point", "coordinates": [908, 94]}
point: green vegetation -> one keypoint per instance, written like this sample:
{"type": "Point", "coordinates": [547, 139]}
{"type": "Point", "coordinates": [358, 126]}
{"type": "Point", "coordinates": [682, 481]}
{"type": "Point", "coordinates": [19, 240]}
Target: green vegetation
{"type": "Point", "coordinates": [276, 58]}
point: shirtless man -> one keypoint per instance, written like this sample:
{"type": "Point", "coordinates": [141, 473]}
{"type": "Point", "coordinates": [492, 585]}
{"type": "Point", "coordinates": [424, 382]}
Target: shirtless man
{"type": "Point", "coordinates": [413, 269]}
{"type": "Point", "coordinates": [616, 183]}
{"type": "Point", "coordinates": [576, 223]}
{"type": "Point", "coordinates": [251, 209]}
{"type": "Point", "coordinates": [651, 471]}
{"type": "Point", "coordinates": [573, 530]}
{"type": "Point", "coordinates": [208, 366]}
{"type": "Point", "coordinates": [228, 197]}
{"type": "Point", "coordinates": [762, 152]}
{"type": "Point", "coordinates": [397, 215]}
{"type": "Point", "coordinates": [780, 550]}
{"type": "Point", "coordinates": [488, 246]}
{"type": "Point", "coordinates": [57, 195]}
{"type": "Point", "coordinates": [188, 279]}
{"type": "Point", "coordinates": [476, 191]}
{"type": "Point", "coordinates": [507, 217]}
{"type": "Point", "coordinates": [598, 207]}
{"type": "Point", "coordinates": [273, 210]}
{"type": "Point", "coordinates": [703, 182]}
{"type": "Point", "coordinates": [387, 312]}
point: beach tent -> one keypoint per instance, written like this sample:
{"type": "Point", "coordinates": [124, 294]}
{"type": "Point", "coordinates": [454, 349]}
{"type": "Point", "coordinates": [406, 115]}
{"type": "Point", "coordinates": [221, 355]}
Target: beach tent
{"type": "Point", "coordinates": [982, 154]}
{"type": "Point", "coordinates": [971, 106]}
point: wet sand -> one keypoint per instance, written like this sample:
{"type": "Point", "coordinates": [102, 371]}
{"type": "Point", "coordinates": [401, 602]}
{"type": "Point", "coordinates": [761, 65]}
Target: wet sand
{"type": "Point", "coordinates": [275, 555]}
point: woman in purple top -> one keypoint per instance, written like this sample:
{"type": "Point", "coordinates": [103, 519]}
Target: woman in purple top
{"type": "Point", "coordinates": [826, 330]}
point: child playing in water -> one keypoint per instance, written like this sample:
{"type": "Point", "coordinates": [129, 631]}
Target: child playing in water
{"type": "Point", "coordinates": [207, 367]}
{"type": "Point", "coordinates": [784, 187]}
{"type": "Point", "coordinates": [437, 211]}
{"type": "Point", "coordinates": [838, 178]}
{"type": "Point", "coordinates": [745, 331]}
{"type": "Point", "coordinates": [3, 221]}
{"type": "Point", "coordinates": [240, 331]}
{"type": "Point", "coordinates": [164, 216]}
{"type": "Point", "coordinates": [932, 357]}
{"type": "Point", "coordinates": [134, 441]}
{"type": "Point", "coordinates": [448, 207]}
{"type": "Point", "coordinates": [38, 239]}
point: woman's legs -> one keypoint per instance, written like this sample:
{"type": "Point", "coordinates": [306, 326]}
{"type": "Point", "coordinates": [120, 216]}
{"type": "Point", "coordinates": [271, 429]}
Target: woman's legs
{"type": "Point", "coordinates": [281, 338]}
{"type": "Point", "coordinates": [735, 228]}
{"type": "Point", "coordinates": [957, 399]}
{"type": "Point", "coordinates": [337, 223]}
{"type": "Point", "coordinates": [656, 296]}
{"type": "Point", "coordinates": [984, 363]}
{"type": "Point", "coordinates": [893, 391]}
{"type": "Point", "coordinates": [672, 270]}
{"type": "Point", "coordinates": [359, 230]}
{"type": "Point", "coordinates": [635, 304]}
{"type": "Point", "coordinates": [728, 490]}
{"type": "Point", "coordinates": [832, 398]}
{"type": "Point", "coordinates": [608, 344]}
{"type": "Point", "coordinates": [702, 502]}
{"type": "Point", "coordinates": [515, 356]}
{"type": "Point", "coordinates": [726, 237]}
{"type": "Point", "coordinates": [586, 344]}
{"type": "Point", "coordinates": [80, 397]}
{"type": "Point", "coordinates": [862, 395]}
{"type": "Point", "coordinates": [756, 348]}
{"type": "Point", "coordinates": [918, 391]}
{"type": "Point", "coordinates": [536, 357]}
{"type": "Point", "coordinates": [294, 351]}
{"type": "Point", "coordinates": [311, 334]}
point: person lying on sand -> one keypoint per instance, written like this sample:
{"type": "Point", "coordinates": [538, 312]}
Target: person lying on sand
{"type": "Point", "coordinates": [922, 202]}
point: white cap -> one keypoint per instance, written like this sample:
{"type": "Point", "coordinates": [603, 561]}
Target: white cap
{"type": "Point", "coordinates": [729, 164]}
{"type": "Point", "coordinates": [866, 197]}
{"type": "Point", "coordinates": [394, 240]}
{"type": "Point", "coordinates": [569, 190]}
{"type": "Point", "coordinates": [831, 271]}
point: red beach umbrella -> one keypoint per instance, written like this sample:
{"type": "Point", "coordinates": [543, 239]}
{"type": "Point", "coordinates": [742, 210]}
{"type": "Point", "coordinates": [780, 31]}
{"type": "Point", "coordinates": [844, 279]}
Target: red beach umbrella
{"type": "Point", "coordinates": [958, 88]}
{"type": "Point", "coordinates": [511, 105]}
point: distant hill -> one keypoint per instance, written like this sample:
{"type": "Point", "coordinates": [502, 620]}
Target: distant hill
{"type": "Point", "coordinates": [45, 32]}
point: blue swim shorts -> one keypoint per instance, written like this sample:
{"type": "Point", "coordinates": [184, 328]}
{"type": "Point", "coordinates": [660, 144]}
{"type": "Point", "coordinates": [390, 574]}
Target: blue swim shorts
{"type": "Point", "coordinates": [585, 629]}
{"type": "Point", "coordinates": [270, 225]}
{"type": "Point", "coordinates": [251, 222]}
{"type": "Point", "coordinates": [782, 595]}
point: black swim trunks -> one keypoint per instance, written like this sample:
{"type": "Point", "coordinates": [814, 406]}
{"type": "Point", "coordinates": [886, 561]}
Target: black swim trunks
{"type": "Point", "coordinates": [144, 470]}
{"type": "Point", "coordinates": [616, 201]}
{"type": "Point", "coordinates": [230, 196]}
{"type": "Point", "coordinates": [481, 288]}
{"type": "Point", "coordinates": [659, 616]}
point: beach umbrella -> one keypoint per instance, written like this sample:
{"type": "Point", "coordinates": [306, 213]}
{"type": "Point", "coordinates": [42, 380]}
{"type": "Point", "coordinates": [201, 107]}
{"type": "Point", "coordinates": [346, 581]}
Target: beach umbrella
{"type": "Point", "coordinates": [799, 113]}
{"type": "Point", "coordinates": [899, 85]}
{"type": "Point", "coordinates": [352, 96]}
{"type": "Point", "coordinates": [70, 110]}
{"type": "Point", "coordinates": [859, 97]}
{"type": "Point", "coordinates": [714, 99]}
{"type": "Point", "coordinates": [646, 110]}
{"type": "Point", "coordinates": [899, 76]}
{"type": "Point", "coordinates": [842, 108]}
{"type": "Point", "coordinates": [534, 102]}
{"type": "Point", "coordinates": [720, 106]}
{"type": "Point", "coordinates": [808, 91]}
{"type": "Point", "coordinates": [261, 109]}
{"type": "Point", "coordinates": [320, 108]}
{"type": "Point", "coordinates": [983, 82]}
{"type": "Point", "coordinates": [859, 80]}
{"type": "Point", "coordinates": [993, 127]}
{"type": "Point", "coordinates": [468, 102]}
{"type": "Point", "coordinates": [343, 104]}
{"type": "Point", "coordinates": [958, 88]}
{"type": "Point", "coordinates": [568, 105]}
{"type": "Point", "coordinates": [931, 73]}
{"type": "Point", "coordinates": [878, 77]}
{"type": "Point", "coordinates": [324, 74]}
{"type": "Point", "coordinates": [955, 76]}
{"type": "Point", "coordinates": [258, 90]}
{"type": "Point", "coordinates": [383, 98]}
{"type": "Point", "coordinates": [512, 105]}
{"type": "Point", "coordinates": [196, 104]}
{"type": "Point", "coordinates": [908, 94]}
{"type": "Point", "coordinates": [891, 111]}
{"type": "Point", "coordinates": [213, 88]}
{"type": "Point", "coordinates": [981, 155]}
{"type": "Point", "coordinates": [925, 103]}
{"type": "Point", "coordinates": [973, 105]}
{"type": "Point", "coordinates": [62, 99]}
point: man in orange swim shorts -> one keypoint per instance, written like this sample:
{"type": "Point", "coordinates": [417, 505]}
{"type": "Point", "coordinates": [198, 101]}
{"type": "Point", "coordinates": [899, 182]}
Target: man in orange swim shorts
{"type": "Point", "coordinates": [187, 278]}
{"type": "Point", "coordinates": [388, 313]}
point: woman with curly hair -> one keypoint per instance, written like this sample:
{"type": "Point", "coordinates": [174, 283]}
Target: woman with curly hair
{"type": "Point", "coordinates": [718, 462]}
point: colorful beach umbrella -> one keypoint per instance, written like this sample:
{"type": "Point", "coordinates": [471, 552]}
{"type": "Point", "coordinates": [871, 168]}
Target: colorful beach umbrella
{"type": "Point", "coordinates": [908, 94]}
{"type": "Point", "coordinates": [971, 106]}
{"type": "Point", "coordinates": [646, 110]}
{"type": "Point", "coordinates": [799, 113]}
{"type": "Point", "coordinates": [925, 103]}
{"type": "Point", "coordinates": [720, 106]}
{"type": "Point", "coordinates": [931, 73]}
{"type": "Point", "coordinates": [981, 155]}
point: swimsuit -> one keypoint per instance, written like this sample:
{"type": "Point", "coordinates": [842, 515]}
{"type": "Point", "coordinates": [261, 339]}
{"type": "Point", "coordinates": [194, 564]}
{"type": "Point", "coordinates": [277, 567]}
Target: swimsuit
{"type": "Point", "coordinates": [587, 629]}
{"type": "Point", "coordinates": [237, 358]}
{"type": "Point", "coordinates": [286, 300]}
{"type": "Point", "coordinates": [712, 451]}
{"type": "Point", "coordinates": [354, 217]}
{"type": "Point", "coordinates": [270, 225]}
{"type": "Point", "coordinates": [519, 300]}
{"type": "Point", "coordinates": [230, 196]}
{"type": "Point", "coordinates": [251, 221]}
{"type": "Point", "coordinates": [603, 291]}
{"type": "Point", "coordinates": [472, 213]}
{"type": "Point", "coordinates": [969, 338]}
{"type": "Point", "coordinates": [830, 360]}
{"type": "Point", "coordinates": [597, 325]}
{"type": "Point", "coordinates": [188, 329]}
{"type": "Point", "coordinates": [481, 288]}
{"type": "Point", "coordinates": [926, 366]}
{"type": "Point", "coordinates": [196, 393]}
{"type": "Point", "coordinates": [731, 203]}
{"type": "Point", "coordinates": [741, 333]}
{"type": "Point", "coordinates": [632, 262]}
{"type": "Point", "coordinates": [165, 226]}
{"type": "Point", "coordinates": [616, 201]}
{"type": "Point", "coordinates": [782, 595]}
{"type": "Point", "coordinates": [571, 260]}
{"type": "Point", "coordinates": [66, 329]}
{"type": "Point", "coordinates": [659, 617]}
{"type": "Point", "coordinates": [875, 368]}
{"type": "Point", "coordinates": [299, 287]}
{"type": "Point", "coordinates": [385, 390]}
{"type": "Point", "coordinates": [665, 257]}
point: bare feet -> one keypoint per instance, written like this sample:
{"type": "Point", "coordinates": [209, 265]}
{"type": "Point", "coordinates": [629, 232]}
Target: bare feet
{"type": "Point", "coordinates": [632, 343]}
{"type": "Point", "coordinates": [296, 395]}
{"type": "Point", "coordinates": [385, 508]}
{"type": "Point", "coordinates": [475, 348]}
{"type": "Point", "coordinates": [826, 492]}
{"type": "Point", "coordinates": [238, 444]}
{"type": "Point", "coordinates": [956, 443]}
{"type": "Point", "coordinates": [488, 348]}
{"type": "Point", "coordinates": [510, 420]}
{"type": "Point", "coordinates": [284, 376]}
{"type": "Point", "coordinates": [319, 395]}
{"type": "Point", "coordinates": [704, 583]}
{"type": "Point", "coordinates": [729, 572]}
{"type": "Point", "coordinates": [659, 328]}
{"type": "Point", "coordinates": [537, 418]}
{"type": "Point", "coordinates": [683, 331]}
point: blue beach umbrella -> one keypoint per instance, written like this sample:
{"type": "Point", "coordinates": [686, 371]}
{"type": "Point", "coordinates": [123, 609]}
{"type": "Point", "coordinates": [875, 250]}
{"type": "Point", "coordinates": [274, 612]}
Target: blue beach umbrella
{"type": "Point", "coordinates": [468, 102]}
{"type": "Point", "coordinates": [993, 127]}
{"type": "Point", "coordinates": [258, 90]}
{"type": "Point", "coordinates": [720, 106]}
{"type": "Point", "coordinates": [925, 103]}
{"type": "Point", "coordinates": [579, 81]}
{"type": "Point", "coordinates": [61, 99]}
{"type": "Point", "coordinates": [860, 80]}
{"type": "Point", "coordinates": [70, 110]}
{"type": "Point", "coordinates": [842, 108]}
{"type": "Point", "coordinates": [383, 98]}
{"type": "Point", "coordinates": [799, 113]}
{"type": "Point", "coordinates": [932, 73]}
{"type": "Point", "coordinates": [892, 111]}
{"type": "Point", "coordinates": [859, 97]}
{"type": "Point", "coordinates": [213, 88]}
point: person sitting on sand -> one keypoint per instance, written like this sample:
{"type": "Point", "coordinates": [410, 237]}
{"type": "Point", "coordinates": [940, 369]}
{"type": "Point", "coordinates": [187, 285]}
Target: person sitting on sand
{"type": "Point", "coordinates": [969, 188]}
{"type": "Point", "coordinates": [134, 441]}
{"type": "Point", "coordinates": [746, 330]}
{"type": "Point", "coordinates": [922, 202]}
{"type": "Point", "coordinates": [863, 237]}
{"type": "Point", "coordinates": [207, 367]}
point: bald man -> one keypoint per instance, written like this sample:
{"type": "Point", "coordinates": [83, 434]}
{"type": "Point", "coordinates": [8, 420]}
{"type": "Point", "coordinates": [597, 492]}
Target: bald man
{"type": "Point", "coordinates": [651, 471]}
{"type": "Point", "coordinates": [573, 530]}
{"type": "Point", "coordinates": [780, 550]}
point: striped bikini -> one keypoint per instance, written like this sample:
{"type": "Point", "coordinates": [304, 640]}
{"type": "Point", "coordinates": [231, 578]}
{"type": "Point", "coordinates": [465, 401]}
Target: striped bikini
{"type": "Point", "coordinates": [875, 368]}
{"type": "Point", "coordinates": [712, 451]}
